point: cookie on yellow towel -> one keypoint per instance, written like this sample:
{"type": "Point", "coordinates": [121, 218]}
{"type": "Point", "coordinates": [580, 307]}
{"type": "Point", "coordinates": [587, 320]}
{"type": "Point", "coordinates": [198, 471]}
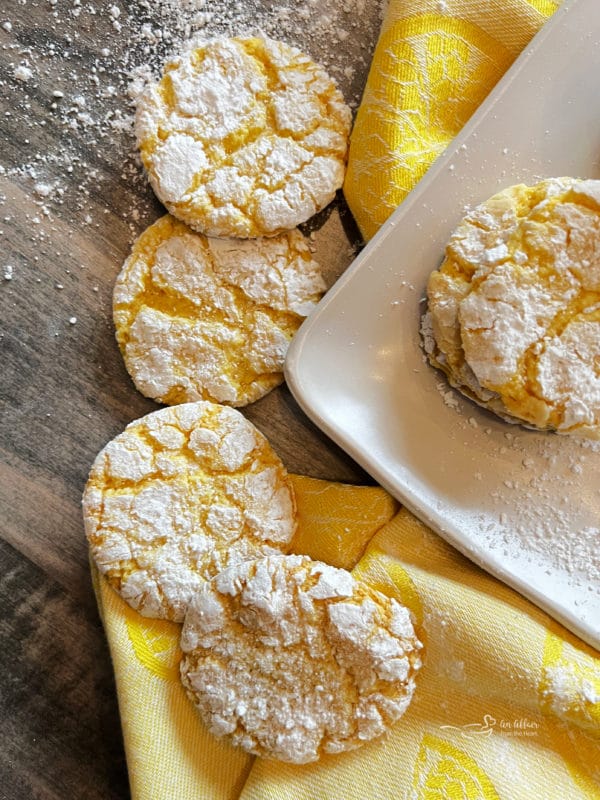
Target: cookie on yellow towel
{"type": "Point", "coordinates": [179, 495]}
{"type": "Point", "coordinates": [290, 658]}
{"type": "Point", "coordinates": [199, 318]}
{"type": "Point", "coordinates": [243, 137]}
{"type": "Point", "coordinates": [515, 307]}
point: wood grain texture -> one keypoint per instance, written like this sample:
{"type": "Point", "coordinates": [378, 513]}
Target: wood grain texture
{"type": "Point", "coordinates": [60, 732]}
{"type": "Point", "coordinates": [72, 199]}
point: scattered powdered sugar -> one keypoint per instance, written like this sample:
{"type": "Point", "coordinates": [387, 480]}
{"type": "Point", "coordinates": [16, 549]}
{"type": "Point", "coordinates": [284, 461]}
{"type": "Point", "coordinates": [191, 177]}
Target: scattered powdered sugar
{"type": "Point", "coordinates": [526, 504]}
{"type": "Point", "coordinates": [96, 59]}
{"type": "Point", "coordinates": [23, 73]}
{"type": "Point", "coordinates": [571, 688]}
{"type": "Point", "coordinates": [533, 479]}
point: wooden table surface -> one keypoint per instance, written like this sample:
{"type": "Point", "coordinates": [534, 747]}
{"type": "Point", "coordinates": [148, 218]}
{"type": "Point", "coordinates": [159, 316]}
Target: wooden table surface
{"type": "Point", "coordinates": [72, 199]}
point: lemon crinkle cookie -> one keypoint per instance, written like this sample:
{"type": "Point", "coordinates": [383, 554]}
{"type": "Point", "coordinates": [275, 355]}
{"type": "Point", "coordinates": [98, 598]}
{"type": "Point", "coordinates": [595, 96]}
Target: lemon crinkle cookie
{"type": "Point", "coordinates": [202, 318]}
{"type": "Point", "coordinates": [179, 495]}
{"type": "Point", "coordinates": [291, 658]}
{"type": "Point", "coordinates": [243, 137]}
{"type": "Point", "coordinates": [515, 307]}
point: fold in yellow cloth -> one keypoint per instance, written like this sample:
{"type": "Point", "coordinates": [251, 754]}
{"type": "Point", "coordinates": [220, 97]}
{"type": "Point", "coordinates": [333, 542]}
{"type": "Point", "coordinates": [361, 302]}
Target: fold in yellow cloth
{"type": "Point", "coordinates": [170, 755]}
{"type": "Point", "coordinates": [434, 63]}
{"type": "Point", "coordinates": [507, 705]}
{"type": "Point", "coordinates": [508, 702]}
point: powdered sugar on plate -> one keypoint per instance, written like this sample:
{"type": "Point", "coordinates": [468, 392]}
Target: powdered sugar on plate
{"type": "Point", "coordinates": [530, 487]}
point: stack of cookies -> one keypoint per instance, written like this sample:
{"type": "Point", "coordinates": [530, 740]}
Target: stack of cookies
{"type": "Point", "coordinates": [189, 513]}
{"type": "Point", "coordinates": [514, 310]}
{"type": "Point", "coordinates": [190, 517]}
{"type": "Point", "coordinates": [242, 140]}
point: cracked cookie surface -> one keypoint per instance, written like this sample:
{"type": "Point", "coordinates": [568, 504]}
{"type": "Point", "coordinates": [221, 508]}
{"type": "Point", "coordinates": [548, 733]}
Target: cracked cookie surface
{"type": "Point", "coordinates": [211, 319]}
{"type": "Point", "coordinates": [243, 137]}
{"type": "Point", "coordinates": [291, 658]}
{"type": "Point", "coordinates": [183, 493]}
{"type": "Point", "coordinates": [515, 306]}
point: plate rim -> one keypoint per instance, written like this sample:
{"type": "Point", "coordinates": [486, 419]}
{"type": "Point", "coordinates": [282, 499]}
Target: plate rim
{"type": "Point", "coordinates": [293, 366]}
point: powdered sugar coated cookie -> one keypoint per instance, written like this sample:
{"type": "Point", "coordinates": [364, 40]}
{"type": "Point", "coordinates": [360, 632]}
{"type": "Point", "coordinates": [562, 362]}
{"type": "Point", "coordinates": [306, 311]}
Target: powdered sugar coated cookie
{"type": "Point", "coordinates": [515, 307]}
{"type": "Point", "coordinates": [243, 137]}
{"type": "Point", "coordinates": [179, 495]}
{"type": "Point", "coordinates": [290, 658]}
{"type": "Point", "coordinates": [199, 318]}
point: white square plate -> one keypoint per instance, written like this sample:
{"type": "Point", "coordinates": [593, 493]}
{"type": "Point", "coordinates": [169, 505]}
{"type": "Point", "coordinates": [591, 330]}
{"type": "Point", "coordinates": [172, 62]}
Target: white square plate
{"type": "Point", "coordinates": [523, 505]}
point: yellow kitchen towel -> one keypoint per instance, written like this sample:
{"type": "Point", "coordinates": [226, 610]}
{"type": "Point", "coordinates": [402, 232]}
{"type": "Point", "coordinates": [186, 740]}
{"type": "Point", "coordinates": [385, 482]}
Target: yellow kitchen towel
{"type": "Point", "coordinates": [435, 62]}
{"type": "Point", "coordinates": [170, 756]}
{"type": "Point", "coordinates": [507, 705]}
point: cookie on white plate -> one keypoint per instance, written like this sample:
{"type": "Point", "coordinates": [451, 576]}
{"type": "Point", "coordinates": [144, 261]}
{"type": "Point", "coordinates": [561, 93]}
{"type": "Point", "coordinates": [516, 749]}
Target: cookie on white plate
{"type": "Point", "coordinates": [515, 306]}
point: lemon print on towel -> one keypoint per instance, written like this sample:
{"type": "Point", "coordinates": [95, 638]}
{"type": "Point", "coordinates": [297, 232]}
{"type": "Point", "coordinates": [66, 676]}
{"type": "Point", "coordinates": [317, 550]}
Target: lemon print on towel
{"type": "Point", "coordinates": [569, 689]}
{"type": "Point", "coordinates": [570, 684]}
{"type": "Point", "coordinates": [433, 72]}
{"type": "Point", "coordinates": [443, 770]}
{"type": "Point", "coordinates": [155, 644]}
{"type": "Point", "coordinates": [389, 577]}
